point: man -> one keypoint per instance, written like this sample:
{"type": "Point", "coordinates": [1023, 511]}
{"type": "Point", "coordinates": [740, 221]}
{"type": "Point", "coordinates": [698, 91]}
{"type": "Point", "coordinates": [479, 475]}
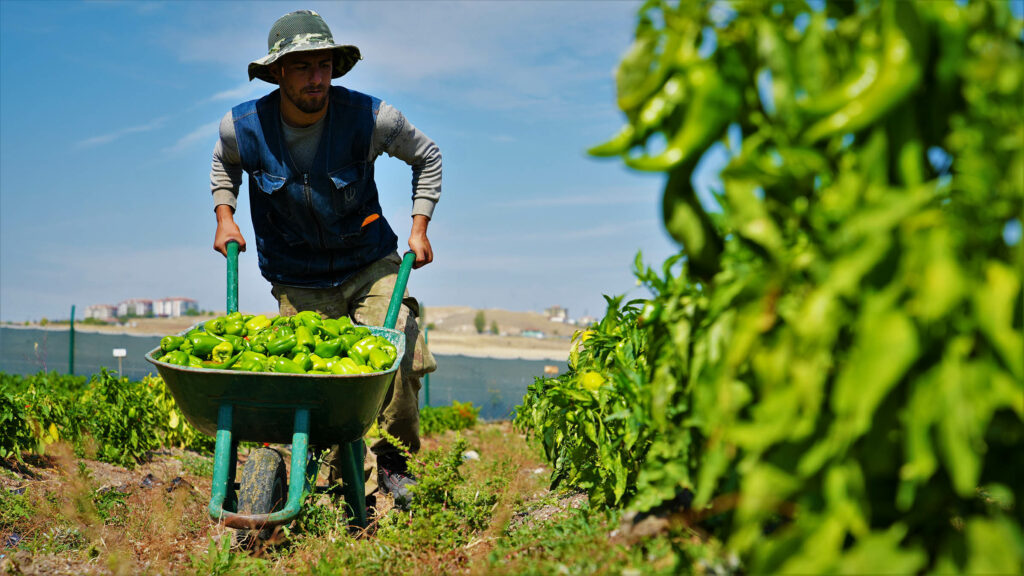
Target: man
{"type": "Point", "coordinates": [309, 149]}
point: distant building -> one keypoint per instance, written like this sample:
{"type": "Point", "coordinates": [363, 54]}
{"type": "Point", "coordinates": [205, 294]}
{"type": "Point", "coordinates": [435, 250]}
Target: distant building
{"type": "Point", "coordinates": [135, 306]}
{"type": "Point", "coordinates": [557, 314]}
{"type": "Point", "coordinates": [532, 333]}
{"type": "Point", "coordinates": [174, 307]}
{"type": "Point", "coordinates": [586, 320]}
{"type": "Point", "coordinates": [101, 312]}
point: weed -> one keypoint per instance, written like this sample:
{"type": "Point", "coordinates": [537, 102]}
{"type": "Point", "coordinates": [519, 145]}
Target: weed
{"type": "Point", "coordinates": [111, 505]}
{"type": "Point", "coordinates": [197, 465]}
{"type": "Point", "coordinates": [320, 518]}
{"type": "Point", "coordinates": [458, 416]}
{"type": "Point", "coordinates": [15, 510]}
{"type": "Point", "coordinates": [220, 560]}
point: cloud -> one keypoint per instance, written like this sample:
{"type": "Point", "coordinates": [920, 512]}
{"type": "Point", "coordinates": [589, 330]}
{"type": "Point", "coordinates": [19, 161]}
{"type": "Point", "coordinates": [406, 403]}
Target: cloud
{"type": "Point", "coordinates": [241, 92]}
{"type": "Point", "coordinates": [609, 230]}
{"type": "Point", "coordinates": [112, 136]}
{"type": "Point", "coordinates": [207, 133]}
{"type": "Point", "coordinates": [525, 55]}
{"type": "Point", "coordinates": [620, 196]}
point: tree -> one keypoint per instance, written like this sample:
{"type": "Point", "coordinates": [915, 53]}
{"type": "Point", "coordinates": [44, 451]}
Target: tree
{"type": "Point", "coordinates": [480, 321]}
{"type": "Point", "coordinates": [494, 327]}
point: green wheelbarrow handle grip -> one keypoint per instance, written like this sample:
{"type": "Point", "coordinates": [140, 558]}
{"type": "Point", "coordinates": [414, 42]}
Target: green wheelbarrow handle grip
{"type": "Point", "coordinates": [232, 248]}
{"type": "Point", "coordinates": [396, 297]}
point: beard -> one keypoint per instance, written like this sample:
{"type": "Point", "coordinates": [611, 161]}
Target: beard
{"type": "Point", "coordinates": [305, 102]}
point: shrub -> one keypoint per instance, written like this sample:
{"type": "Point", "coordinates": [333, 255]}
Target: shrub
{"type": "Point", "coordinates": [833, 370]}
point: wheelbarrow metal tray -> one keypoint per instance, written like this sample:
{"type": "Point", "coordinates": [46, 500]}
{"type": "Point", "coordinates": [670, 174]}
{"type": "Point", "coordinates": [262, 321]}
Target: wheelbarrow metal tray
{"type": "Point", "coordinates": [342, 408]}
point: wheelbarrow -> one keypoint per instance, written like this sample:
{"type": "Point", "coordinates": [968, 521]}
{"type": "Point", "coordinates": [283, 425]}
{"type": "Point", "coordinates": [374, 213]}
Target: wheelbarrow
{"type": "Point", "coordinates": [299, 409]}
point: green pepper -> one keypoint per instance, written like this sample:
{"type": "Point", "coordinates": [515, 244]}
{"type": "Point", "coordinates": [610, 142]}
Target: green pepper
{"type": "Point", "coordinates": [283, 365]}
{"type": "Point", "coordinates": [356, 357]}
{"type": "Point", "coordinates": [214, 326]}
{"type": "Point", "coordinates": [251, 355]}
{"type": "Point", "coordinates": [234, 327]}
{"type": "Point", "coordinates": [363, 347]}
{"type": "Point", "coordinates": [362, 331]}
{"type": "Point", "coordinates": [714, 104]}
{"type": "Point", "coordinates": [236, 315]}
{"type": "Point", "coordinates": [281, 345]}
{"type": "Point", "coordinates": [282, 331]}
{"type": "Point", "coordinates": [281, 321]}
{"type": "Point", "coordinates": [221, 352]}
{"type": "Point", "coordinates": [348, 340]}
{"type": "Point", "coordinates": [364, 369]}
{"type": "Point", "coordinates": [330, 327]}
{"type": "Point", "coordinates": [237, 342]}
{"type": "Point", "coordinates": [318, 363]}
{"type": "Point", "coordinates": [203, 344]}
{"type": "Point", "coordinates": [344, 366]}
{"type": "Point", "coordinates": [186, 346]}
{"type": "Point", "coordinates": [195, 361]}
{"type": "Point", "coordinates": [171, 343]}
{"type": "Point", "coordinates": [379, 360]}
{"type": "Point", "coordinates": [900, 74]}
{"type": "Point", "coordinates": [257, 323]}
{"type": "Point", "coordinates": [311, 320]}
{"type": "Point", "coordinates": [304, 337]}
{"type": "Point", "coordinates": [303, 360]}
{"type": "Point", "coordinates": [318, 372]}
{"type": "Point", "coordinates": [389, 348]}
{"type": "Point", "coordinates": [221, 364]}
{"type": "Point", "coordinates": [177, 357]}
{"type": "Point", "coordinates": [328, 348]}
{"type": "Point", "coordinates": [248, 365]}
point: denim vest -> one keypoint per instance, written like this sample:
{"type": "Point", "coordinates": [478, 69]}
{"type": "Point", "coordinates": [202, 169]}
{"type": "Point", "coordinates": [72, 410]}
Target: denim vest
{"type": "Point", "coordinates": [314, 230]}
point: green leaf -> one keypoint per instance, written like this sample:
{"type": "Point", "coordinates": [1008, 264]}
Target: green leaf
{"type": "Point", "coordinates": [881, 553]}
{"type": "Point", "coordinates": [995, 546]}
{"type": "Point", "coordinates": [994, 302]}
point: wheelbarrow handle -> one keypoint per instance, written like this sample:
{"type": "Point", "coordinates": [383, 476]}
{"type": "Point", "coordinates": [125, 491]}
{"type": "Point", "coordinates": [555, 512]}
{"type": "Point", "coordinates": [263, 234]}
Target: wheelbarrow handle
{"type": "Point", "coordinates": [396, 297]}
{"type": "Point", "coordinates": [232, 276]}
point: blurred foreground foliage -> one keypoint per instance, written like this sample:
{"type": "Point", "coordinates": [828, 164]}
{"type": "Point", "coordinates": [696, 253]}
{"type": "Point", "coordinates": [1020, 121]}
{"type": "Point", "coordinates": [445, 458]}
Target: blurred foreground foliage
{"type": "Point", "coordinates": [830, 375]}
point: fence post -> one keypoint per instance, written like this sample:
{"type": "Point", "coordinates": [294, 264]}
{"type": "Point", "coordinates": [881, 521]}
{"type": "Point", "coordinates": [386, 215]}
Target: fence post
{"type": "Point", "coordinates": [71, 344]}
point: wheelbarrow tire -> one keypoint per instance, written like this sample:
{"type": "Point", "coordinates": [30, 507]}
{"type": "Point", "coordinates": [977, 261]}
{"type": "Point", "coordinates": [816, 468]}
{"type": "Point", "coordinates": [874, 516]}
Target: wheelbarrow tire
{"type": "Point", "coordinates": [263, 488]}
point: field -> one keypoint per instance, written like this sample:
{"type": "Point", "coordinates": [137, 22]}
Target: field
{"type": "Point", "coordinates": [486, 508]}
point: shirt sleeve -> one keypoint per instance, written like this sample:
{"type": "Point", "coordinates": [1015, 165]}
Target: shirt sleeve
{"type": "Point", "coordinates": [226, 171]}
{"type": "Point", "coordinates": [397, 137]}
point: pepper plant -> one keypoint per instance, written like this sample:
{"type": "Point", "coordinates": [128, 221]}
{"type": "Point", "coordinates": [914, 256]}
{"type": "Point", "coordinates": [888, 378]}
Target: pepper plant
{"type": "Point", "coordinates": [835, 377]}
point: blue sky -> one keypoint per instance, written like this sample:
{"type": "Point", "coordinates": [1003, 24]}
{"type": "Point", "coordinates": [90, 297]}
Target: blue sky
{"type": "Point", "coordinates": [108, 115]}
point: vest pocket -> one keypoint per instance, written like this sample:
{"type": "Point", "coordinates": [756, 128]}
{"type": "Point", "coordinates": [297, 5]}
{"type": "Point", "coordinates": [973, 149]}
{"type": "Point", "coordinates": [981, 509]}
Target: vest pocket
{"type": "Point", "coordinates": [348, 185]}
{"type": "Point", "coordinates": [268, 183]}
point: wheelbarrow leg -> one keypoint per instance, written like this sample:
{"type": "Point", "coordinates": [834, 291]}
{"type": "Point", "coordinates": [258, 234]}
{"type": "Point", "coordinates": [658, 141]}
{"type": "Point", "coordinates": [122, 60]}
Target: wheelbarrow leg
{"type": "Point", "coordinates": [353, 484]}
{"type": "Point", "coordinates": [225, 457]}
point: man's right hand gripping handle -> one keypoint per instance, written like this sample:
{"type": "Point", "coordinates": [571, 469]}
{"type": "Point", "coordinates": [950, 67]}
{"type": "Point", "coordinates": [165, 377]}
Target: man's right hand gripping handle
{"type": "Point", "coordinates": [227, 230]}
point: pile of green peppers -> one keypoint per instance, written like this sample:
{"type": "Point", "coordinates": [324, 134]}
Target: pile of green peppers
{"type": "Point", "coordinates": [305, 343]}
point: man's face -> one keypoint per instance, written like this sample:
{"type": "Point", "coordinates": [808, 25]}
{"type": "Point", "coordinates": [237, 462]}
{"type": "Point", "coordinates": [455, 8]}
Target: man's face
{"type": "Point", "coordinates": [305, 79]}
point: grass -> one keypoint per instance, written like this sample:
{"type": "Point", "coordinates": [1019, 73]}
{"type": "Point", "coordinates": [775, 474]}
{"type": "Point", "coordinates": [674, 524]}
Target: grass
{"type": "Point", "coordinates": [492, 515]}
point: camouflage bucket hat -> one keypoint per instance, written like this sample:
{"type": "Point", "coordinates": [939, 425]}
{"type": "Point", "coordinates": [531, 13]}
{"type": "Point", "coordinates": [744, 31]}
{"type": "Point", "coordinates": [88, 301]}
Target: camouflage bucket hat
{"type": "Point", "coordinates": [302, 31]}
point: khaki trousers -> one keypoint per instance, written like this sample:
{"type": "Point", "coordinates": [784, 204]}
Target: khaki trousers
{"type": "Point", "coordinates": [365, 297]}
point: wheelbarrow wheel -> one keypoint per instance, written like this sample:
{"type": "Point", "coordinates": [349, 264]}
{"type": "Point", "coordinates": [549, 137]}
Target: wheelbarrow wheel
{"type": "Point", "coordinates": [263, 487]}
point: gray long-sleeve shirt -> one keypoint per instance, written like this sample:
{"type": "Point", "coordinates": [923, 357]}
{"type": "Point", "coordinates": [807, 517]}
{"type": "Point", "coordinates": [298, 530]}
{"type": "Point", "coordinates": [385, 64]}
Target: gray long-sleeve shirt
{"type": "Point", "coordinates": [392, 134]}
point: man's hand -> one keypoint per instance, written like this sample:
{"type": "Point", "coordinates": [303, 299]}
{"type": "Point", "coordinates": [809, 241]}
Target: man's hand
{"type": "Point", "coordinates": [228, 230]}
{"type": "Point", "coordinates": [419, 243]}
